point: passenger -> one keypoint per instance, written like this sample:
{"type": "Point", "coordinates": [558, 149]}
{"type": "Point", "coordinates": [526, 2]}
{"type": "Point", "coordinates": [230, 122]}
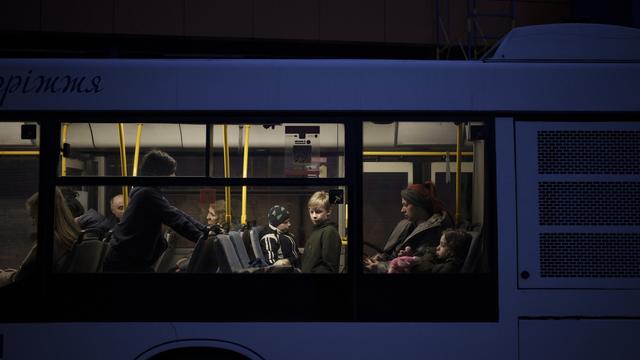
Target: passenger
{"type": "Point", "coordinates": [215, 220]}
{"type": "Point", "coordinates": [425, 217]}
{"type": "Point", "coordinates": [65, 233]}
{"type": "Point", "coordinates": [137, 240]}
{"type": "Point", "coordinates": [322, 249]}
{"type": "Point", "coordinates": [94, 220]}
{"type": "Point", "coordinates": [447, 258]}
{"type": "Point", "coordinates": [217, 215]}
{"type": "Point", "coordinates": [277, 243]}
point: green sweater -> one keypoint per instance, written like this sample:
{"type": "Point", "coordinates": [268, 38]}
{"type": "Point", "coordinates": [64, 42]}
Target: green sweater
{"type": "Point", "coordinates": [322, 250]}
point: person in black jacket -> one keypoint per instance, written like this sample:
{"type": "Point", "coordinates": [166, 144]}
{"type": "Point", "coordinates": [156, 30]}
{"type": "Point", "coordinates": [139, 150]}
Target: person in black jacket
{"type": "Point", "coordinates": [92, 219]}
{"type": "Point", "coordinates": [277, 243]}
{"type": "Point", "coordinates": [137, 240]}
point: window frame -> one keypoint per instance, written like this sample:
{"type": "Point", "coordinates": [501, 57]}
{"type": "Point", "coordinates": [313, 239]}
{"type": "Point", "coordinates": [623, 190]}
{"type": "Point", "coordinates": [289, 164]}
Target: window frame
{"type": "Point", "coordinates": [309, 297]}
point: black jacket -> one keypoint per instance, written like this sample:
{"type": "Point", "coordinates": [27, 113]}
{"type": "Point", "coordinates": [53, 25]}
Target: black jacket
{"type": "Point", "coordinates": [91, 219]}
{"type": "Point", "coordinates": [137, 240]}
{"type": "Point", "coordinates": [278, 245]}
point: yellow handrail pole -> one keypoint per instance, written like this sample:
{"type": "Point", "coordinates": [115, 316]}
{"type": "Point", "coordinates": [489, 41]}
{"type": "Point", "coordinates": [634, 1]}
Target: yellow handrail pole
{"type": "Point", "coordinates": [20, 152]}
{"type": "Point", "coordinates": [63, 160]}
{"type": "Point", "coordinates": [136, 153]}
{"type": "Point", "coordinates": [245, 165]}
{"type": "Point", "coordinates": [411, 153]}
{"type": "Point", "coordinates": [344, 240]}
{"type": "Point", "coordinates": [458, 170]}
{"type": "Point", "coordinates": [227, 170]}
{"type": "Point", "coordinates": [123, 163]}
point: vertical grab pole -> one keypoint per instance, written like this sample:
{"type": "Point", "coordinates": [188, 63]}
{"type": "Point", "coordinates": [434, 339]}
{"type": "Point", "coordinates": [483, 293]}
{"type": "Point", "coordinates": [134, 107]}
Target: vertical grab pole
{"type": "Point", "coordinates": [458, 171]}
{"type": "Point", "coordinates": [346, 225]}
{"type": "Point", "coordinates": [123, 163]}
{"type": "Point", "coordinates": [63, 160]}
{"type": "Point", "coordinates": [227, 170]}
{"type": "Point", "coordinates": [245, 165]}
{"type": "Point", "coordinates": [136, 153]}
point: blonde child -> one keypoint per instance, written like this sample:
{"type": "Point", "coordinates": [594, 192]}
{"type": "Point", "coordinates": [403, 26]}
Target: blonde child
{"type": "Point", "coordinates": [322, 249]}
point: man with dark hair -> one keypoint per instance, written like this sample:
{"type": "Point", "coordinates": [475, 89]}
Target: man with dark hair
{"type": "Point", "coordinates": [158, 163]}
{"type": "Point", "coordinates": [137, 241]}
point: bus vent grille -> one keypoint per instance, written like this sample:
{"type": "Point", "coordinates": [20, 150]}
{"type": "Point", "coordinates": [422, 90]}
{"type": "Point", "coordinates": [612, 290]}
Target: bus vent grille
{"type": "Point", "coordinates": [599, 203]}
{"type": "Point", "coordinates": [588, 152]}
{"type": "Point", "coordinates": [589, 255]}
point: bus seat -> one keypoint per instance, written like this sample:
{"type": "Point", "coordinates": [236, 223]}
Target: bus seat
{"type": "Point", "coordinates": [251, 240]}
{"type": "Point", "coordinates": [228, 260]}
{"type": "Point", "coordinates": [87, 254]}
{"type": "Point", "coordinates": [166, 259]}
{"type": "Point", "coordinates": [255, 243]}
{"type": "Point", "coordinates": [246, 240]}
{"type": "Point", "coordinates": [238, 244]}
{"type": "Point", "coordinates": [475, 253]}
{"type": "Point", "coordinates": [204, 258]}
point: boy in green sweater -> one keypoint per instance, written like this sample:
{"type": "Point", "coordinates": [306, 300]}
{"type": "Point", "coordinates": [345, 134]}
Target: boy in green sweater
{"type": "Point", "coordinates": [322, 249]}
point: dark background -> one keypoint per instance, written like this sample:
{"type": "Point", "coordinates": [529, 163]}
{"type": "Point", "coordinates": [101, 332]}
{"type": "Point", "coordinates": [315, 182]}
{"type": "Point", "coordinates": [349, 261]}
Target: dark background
{"type": "Point", "coordinates": [424, 29]}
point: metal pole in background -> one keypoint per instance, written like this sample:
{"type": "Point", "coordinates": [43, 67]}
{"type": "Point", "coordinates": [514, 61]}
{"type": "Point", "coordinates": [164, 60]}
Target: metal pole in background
{"type": "Point", "coordinates": [123, 163]}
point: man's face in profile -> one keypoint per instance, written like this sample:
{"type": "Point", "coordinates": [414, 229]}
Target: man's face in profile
{"type": "Point", "coordinates": [117, 206]}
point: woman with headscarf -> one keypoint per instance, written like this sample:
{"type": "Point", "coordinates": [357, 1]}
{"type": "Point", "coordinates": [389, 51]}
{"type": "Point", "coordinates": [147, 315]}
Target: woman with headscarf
{"type": "Point", "coordinates": [425, 219]}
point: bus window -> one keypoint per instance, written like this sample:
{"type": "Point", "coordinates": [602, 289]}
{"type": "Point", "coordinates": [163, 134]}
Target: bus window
{"type": "Point", "coordinates": [19, 163]}
{"type": "Point", "coordinates": [280, 150]}
{"type": "Point", "coordinates": [268, 233]}
{"type": "Point", "coordinates": [94, 149]}
{"type": "Point", "coordinates": [414, 197]}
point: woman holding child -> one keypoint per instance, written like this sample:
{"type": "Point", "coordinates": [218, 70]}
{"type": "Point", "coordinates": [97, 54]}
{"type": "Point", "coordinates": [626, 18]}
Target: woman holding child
{"type": "Point", "coordinates": [425, 219]}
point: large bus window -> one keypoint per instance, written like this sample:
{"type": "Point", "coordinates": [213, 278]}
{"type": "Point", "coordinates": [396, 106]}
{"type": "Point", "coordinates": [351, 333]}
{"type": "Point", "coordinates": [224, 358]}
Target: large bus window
{"type": "Point", "coordinates": [202, 230]}
{"type": "Point", "coordinates": [413, 197]}
{"type": "Point", "coordinates": [19, 163]}
{"type": "Point", "coordinates": [94, 149]}
{"type": "Point", "coordinates": [280, 150]}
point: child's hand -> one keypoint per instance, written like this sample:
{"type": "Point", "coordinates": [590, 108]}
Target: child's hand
{"type": "Point", "coordinates": [370, 263]}
{"type": "Point", "coordinates": [282, 262]}
{"type": "Point", "coordinates": [408, 251]}
{"type": "Point", "coordinates": [376, 257]}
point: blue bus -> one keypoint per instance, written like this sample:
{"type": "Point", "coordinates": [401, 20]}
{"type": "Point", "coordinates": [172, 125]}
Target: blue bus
{"type": "Point", "coordinates": [530, 151]}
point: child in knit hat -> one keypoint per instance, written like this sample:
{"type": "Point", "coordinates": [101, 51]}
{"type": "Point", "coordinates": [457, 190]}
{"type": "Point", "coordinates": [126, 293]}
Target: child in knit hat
{"type": "Point", "coordinates": [278, 244]}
